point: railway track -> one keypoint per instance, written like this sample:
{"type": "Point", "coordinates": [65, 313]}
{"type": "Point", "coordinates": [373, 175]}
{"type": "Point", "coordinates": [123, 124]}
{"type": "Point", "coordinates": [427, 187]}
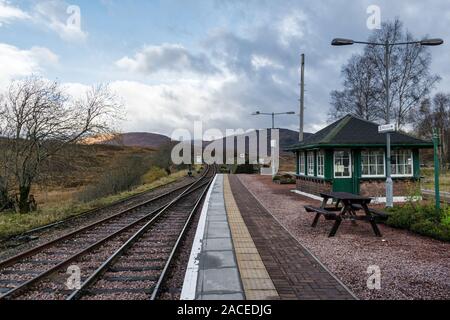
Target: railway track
{"type": "Point", "coordinates": [116, 206]}
{"type": "Point", "coordinates": [125, 256]}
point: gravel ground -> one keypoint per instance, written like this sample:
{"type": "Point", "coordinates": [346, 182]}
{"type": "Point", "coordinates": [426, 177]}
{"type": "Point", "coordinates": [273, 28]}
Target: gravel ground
{"type": "Point", "coordinates": [174, 281]}
{"type": "Point", "coordinates": [412, 267]}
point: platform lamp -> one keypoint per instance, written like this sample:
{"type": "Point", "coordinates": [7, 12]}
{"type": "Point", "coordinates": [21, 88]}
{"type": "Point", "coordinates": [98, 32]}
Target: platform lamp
{"type": "Point", "coordinates": [273, 115]}
{"type": "Point", "coordinates": [387, 45]}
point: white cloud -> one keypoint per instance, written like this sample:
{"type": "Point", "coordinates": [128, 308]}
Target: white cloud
{"type": "Point", "coordinates": [10, 13]}
{"type": "Point", "coordinates": [162, 108]}
{"type": "Point", "coordinates": [44, 56]}
{"type": "Point", "coordinates": [55, 15]}
{"type": "Point", "coordinates": [167, 57]}
{"type": "Point", "coordinates": [15, 62]}
{"type": "Point", "coordinates": [293, 27]}
{"type": "Point", "coordinates": [259, 62]}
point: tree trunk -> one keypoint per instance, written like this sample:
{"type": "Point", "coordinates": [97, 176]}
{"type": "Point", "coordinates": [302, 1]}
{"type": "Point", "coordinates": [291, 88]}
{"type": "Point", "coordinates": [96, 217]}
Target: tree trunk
{"type": "Point", "coordinates": [4, 199]}
{"type": "Point", "coordinates": [24, 192]}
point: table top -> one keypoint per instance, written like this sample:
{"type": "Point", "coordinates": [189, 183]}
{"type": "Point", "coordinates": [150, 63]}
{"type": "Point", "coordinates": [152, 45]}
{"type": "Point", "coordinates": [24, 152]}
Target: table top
{"type": "Point", "coordinates": [345, 196]}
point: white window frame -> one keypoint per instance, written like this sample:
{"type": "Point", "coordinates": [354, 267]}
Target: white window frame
{"type": "Point", "coordinates": [301, 163]}
{"type": "Point", "coordinates": [412, 164]}
{"type": "Point", "coordinates": [310, 155]}
{"type": "Point", "coordinates": [321, 165]}
{"type": "Point", "coordinates": [350, 164]}
{"type": "Point", "coordinates": [384, 164]}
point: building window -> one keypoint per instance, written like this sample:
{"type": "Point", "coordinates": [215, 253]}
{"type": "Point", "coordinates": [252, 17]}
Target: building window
{"type": "Point", "coordinates": [402, 163]}
{"type": "Point", "coordinates": [311, 164]}
{"type": "Point", "coordinates": [373, 163]}
{"type": "Point", "coordinates": [342, 164]}
{"type": "Point", "coordinates": [301, 163]}
{"type": "Point", "coordinates": [321, 164]}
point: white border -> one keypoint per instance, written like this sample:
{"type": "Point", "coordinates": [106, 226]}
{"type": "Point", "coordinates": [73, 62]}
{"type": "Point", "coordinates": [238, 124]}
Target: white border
{"type": "Point", "coordinates": [375, 200]}
{"type": "Point", "coordinates": [396, 199]}
{"type": "Point", "coordinates": [412, 165]}
{"type": "Point", "coordinates": [320, 153]}
{"type": "Point", "coordinates": [189, 289]}
{"type": "Point", "coordinates": [308, 163]}
{"type": "Point", "coordinates": [300, 157]}
{"type": "Point", "coordinates": [350, 168]}
{"type": "Point", "coordinates": [307, 195]}
{"type": "Point", "coordinates": [384, 165]}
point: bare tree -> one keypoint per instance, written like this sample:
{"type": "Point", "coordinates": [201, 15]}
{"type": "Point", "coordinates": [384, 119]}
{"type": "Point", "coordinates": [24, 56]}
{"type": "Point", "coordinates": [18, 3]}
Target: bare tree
{"type": "Point", "coordinates": [435, 113]}
{"type": "Point", "coordinates": [359, 96]}
{"type": "Point", "coordinates": [410, 77]}
{"type": "Point", "coordinates": [40, 120]}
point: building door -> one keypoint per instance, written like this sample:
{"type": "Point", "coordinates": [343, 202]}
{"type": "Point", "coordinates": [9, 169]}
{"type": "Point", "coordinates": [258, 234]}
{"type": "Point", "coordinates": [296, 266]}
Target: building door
{"type": "Point", "coordinates": [343, 171]}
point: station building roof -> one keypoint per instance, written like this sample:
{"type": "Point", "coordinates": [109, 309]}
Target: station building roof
{"type": "Point", "coordinates": [351, 131]}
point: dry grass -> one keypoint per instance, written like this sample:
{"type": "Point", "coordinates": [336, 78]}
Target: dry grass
{"type": "Point", "coordinates": [287, 162]}
{"type": "Point", "coordinates": [55, 210]}
{"type": "Point", "coordinates": [428, 180]}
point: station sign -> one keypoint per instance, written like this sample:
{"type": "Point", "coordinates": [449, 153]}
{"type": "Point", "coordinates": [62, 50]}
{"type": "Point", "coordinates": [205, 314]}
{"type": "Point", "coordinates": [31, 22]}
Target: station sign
{"type": "Point", "coordinates": [387, 128]}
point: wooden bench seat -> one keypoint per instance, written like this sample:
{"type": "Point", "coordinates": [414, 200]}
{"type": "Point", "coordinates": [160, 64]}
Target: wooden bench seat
{"type": "Point", "coordinates": [382, 216]}
{"type": "Point", "coordinates": [327, 214]}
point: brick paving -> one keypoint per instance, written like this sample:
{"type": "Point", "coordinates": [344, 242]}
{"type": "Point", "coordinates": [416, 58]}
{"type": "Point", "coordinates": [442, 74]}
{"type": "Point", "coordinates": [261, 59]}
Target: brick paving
{"type": "Point", "coordinates": [295, 273]}
{"type": "Point", "coordinates": [255, 278]}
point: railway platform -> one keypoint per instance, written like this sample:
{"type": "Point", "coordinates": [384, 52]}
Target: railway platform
{"type": "Point", "coordinates": [241, 252]}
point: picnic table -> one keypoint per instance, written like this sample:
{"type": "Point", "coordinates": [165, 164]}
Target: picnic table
{"type": "Point", "coordinates": [346, 206]}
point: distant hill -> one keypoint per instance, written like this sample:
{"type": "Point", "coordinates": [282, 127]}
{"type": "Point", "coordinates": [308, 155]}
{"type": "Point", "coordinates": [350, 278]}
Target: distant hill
{"type": "Point", "coordinates": [132, 139]}
{"type": "Point", "coordinates": [287, 139]}
{"type": "Point", "coordinates": [154, 140]}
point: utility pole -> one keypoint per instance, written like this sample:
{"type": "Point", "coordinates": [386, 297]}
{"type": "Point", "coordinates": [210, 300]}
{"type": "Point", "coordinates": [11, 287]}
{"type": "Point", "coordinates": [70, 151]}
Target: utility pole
{"type": "Point", "coordinates": [437, 193]}
{"type": "Point", "coordinates": [302, 99]}
{"type": "Point", "coordinates": [389, 182]}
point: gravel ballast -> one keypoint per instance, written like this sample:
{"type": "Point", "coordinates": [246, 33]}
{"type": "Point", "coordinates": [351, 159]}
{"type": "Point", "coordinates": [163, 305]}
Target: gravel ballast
{"type": "Point", "coordinates": [412, 266]}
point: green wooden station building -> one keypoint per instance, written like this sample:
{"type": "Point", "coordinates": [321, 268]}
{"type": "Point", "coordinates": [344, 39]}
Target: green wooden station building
{"type": "Point", "coordinates": [350, 156]}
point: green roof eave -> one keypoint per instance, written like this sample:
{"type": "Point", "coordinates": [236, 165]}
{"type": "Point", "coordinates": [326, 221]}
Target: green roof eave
{"type": "Point", "coordinates": [424, 145]}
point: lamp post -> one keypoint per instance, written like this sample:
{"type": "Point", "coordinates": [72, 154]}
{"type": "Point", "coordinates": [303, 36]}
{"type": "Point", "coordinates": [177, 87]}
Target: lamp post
{"type": "Point", "coordinates": [273, 115]}
{"type": "Point", "coordinates": [387, 46]}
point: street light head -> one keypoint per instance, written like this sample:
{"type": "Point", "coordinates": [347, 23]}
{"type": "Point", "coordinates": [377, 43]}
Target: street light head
{"type": "Point", "coordinates": [257, 113]}
{"type": "Point", "coordinates": [431, 42]}
{"type": "Point", "coordinates": [291, 112]}
{"type": "Point", "coordinates": [342, 42]}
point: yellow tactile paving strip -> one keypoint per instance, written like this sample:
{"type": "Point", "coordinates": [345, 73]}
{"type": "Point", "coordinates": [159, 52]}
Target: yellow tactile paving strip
{"type": "Point", "coordinates": [255, 278]}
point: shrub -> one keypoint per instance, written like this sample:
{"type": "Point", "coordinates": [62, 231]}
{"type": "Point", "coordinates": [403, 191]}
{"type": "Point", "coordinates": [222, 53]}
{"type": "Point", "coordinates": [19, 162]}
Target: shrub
{"type": "Point", "coordinates": [245, 169]}
{"type": "Point", "coordinates": [126, 174]}
{"type": "Point", "coordinates": [154, 174]}
{"type": "Point", "coordinates": [446, 217]}
{"type": "Point", "coordinates": [431, 229]}
{"type": "Point", "coordinates": [402, 217]}
{"type": "Point", "coordinates": [422, 219]}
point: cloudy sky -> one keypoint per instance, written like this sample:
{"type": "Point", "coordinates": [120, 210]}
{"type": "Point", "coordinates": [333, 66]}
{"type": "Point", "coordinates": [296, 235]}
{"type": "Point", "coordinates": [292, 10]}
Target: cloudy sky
{"type": "Point", "coordinates": [177, 61]}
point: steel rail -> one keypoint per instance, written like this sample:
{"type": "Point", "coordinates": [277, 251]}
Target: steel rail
{"type": "Point", "coordinates": [8, 262]}
{"type": "Point", "coordinates": [94, 277]}
{"type": "Point", "coordinates": [16, 291]}
{"type": "Point", "coordinates": [175, 248]}
{"type": "Point", "coordinates": [86, 213]}
{"type": "Point", "coordinates": [10, 294]}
